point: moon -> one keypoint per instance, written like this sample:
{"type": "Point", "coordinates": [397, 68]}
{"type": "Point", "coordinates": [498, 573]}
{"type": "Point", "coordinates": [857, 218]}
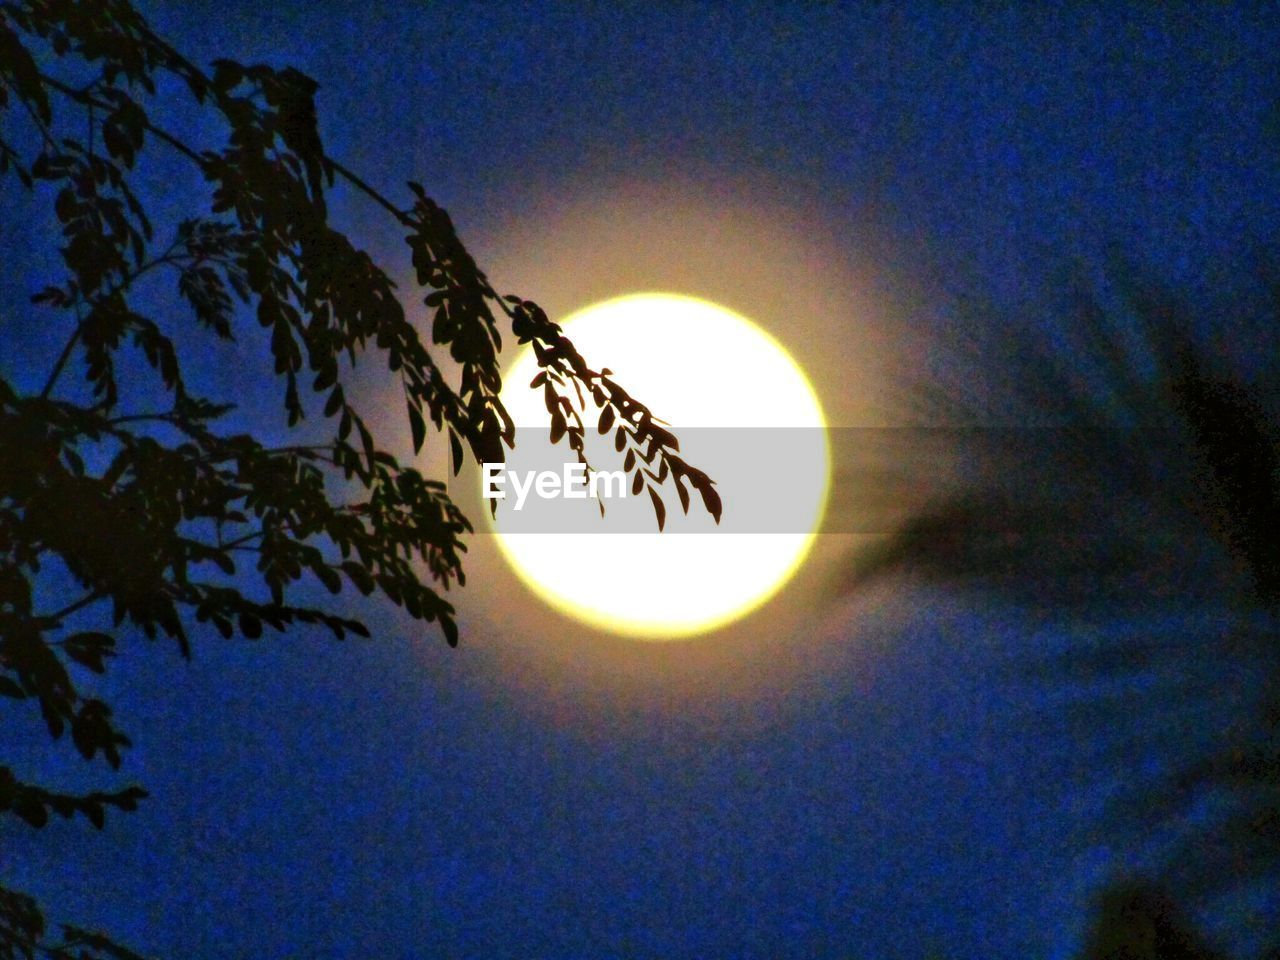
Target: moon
{"type": "Point", "coordinates": [743, 411]}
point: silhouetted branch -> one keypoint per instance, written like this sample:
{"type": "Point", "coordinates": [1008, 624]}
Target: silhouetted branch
{"type": "Point", "coordinates": [63, 357]}
{"type": "Point", "coordinates": [57, 617]}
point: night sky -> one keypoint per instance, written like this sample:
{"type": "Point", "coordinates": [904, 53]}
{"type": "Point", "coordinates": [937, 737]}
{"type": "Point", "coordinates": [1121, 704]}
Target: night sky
{"type": "Point", "coordinates": [877, 776]}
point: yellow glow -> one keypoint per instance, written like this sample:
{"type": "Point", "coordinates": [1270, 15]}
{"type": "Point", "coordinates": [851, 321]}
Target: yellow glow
{"type": "Point", "coordinates": [695, 365]}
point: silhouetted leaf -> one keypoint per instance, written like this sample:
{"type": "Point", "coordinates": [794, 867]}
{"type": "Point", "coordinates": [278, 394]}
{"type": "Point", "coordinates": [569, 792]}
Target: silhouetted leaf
{"type": "Point", "coordinates": [90, 649]}
{"type": "Point", "coordinates": [455, 452]}
{"type": "Point", "coordinates": [417, 427]}
{"type": "Point", "coordinates": [658, 507]}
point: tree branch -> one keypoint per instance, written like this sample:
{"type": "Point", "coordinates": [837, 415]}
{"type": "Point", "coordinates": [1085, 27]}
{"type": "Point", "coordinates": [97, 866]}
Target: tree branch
{"type": "Point", "coordinates": [89, 100]}
{"type": "Point", "coordinates": [356, 181]}
{"type": "Point", "coordinates": [84, 98]}
{"type": "Point", "coordinates": [63, 357]}
{"type": "Point", "coordinates": [55, 619]}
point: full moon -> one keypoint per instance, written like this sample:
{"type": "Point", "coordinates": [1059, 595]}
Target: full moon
{"type": "Point", "coordinates": [743, 411]}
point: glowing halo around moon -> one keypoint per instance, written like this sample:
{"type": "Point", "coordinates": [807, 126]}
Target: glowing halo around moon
{"type": "Point", "coordinates": [725, 386]}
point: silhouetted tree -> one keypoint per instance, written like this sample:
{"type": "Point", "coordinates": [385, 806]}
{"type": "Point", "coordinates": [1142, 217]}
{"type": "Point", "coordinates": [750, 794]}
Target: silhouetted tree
{"type": "Point", "coordinates": [117, 480]}
{"type": "Point", "coordinates": [1149, 474]}
{"type": "Point", "coordinates": [1135, 921]}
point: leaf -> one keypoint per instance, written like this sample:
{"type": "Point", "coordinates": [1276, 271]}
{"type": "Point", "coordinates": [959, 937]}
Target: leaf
{"type": "Point", "coordinates": [90, 649]}
{"type": "Point", "coordinates": [683, 492]}
{"type": "Point", "coordinates": [711, 500]}
{"type": "Point", "coordinates": [335, 401]}
{"type": "Point", "coordinates": [326, 378]}
{"type": "Point", "coordinates": [606, 420]}
{"type": "Point", "coordinates": [659, 508]}
{"type": "Point", "coordinates": [366, 442]}
{"type": "Point", "coordinates": [332, 582]}
{"type": "Point", "coordinates": [359, 576]}
{"type": "Point", "coordinates": [455, 451]}
{"type": "Point", "coordinates": [417, 427]}
{"type": "Point", "coordinates": [30, 809]}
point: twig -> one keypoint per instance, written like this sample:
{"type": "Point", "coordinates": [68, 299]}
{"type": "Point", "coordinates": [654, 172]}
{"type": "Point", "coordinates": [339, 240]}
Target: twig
{"type": "Point", "coordinates": [55, 618]}
{"type": "Point", "coordinates": [88, 100]}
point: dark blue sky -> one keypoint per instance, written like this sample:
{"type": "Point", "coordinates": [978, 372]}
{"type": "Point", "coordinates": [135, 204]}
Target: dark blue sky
{"type": "Point", "coordinates": [901, 788]}
{"type": "Point", "coordinates": [997, 142]}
